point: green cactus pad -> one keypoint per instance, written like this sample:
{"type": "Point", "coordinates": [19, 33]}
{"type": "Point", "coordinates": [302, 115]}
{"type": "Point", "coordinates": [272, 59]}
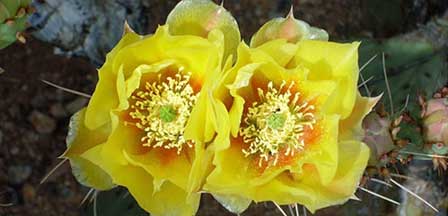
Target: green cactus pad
{"type": "Point", "coordinates": [11, 20]}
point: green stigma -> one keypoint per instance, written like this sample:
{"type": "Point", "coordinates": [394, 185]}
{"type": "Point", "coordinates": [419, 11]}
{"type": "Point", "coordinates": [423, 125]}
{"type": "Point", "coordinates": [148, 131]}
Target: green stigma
{"type": "Point", "coordinates": [167, 113]}
{"type": "Point", "coordinates": [276, 120]}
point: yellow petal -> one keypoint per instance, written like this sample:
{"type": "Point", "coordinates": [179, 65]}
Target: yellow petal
{"type": "Point", "coordinates": [104, 97]}
{"type": "Point", "coordinates": [233, 203]}
{"type": "Point", "coordinates": [125, 88]}
{"type": "Point", "coordinates": [80, 138]}
{"type": "Point", "coordinates": [351, 127]}
{"type": "Point", "coordinates": [168, 200]}
{"type": "Point", "coordinates": [194, 53]}
{"type": "Point", "coordinates": [278, 50]}
{"type": "Point", "coordinates": [89, 174]}
{"type": "Point", "coordinates": [309, 191]}
{"type": "Point", "coordinates": [165, 164]}
{"type": "Point", "coordinates": [242, 78]}
{"type": "Point", "coordinates": [326, 160]}
{"type": "Point", "coordinates": [352, 163]}
{"type": "Point", "coordinates": [232, 172]}
{"type": "Point", "coordinates": [332, 61]}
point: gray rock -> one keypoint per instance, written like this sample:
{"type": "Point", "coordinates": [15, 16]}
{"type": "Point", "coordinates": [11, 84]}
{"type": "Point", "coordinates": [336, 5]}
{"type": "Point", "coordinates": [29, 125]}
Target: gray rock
{"type": "Point", "coordinates": [87, 28]}
{"type": "Point", "coordinates": [57, 110]}
{"type": "Point", "coordinates": [75, 105]}
{"type": "Point", "coordinates": [18, 174]}
{"type": "Point", "coordinates": [42, 123]}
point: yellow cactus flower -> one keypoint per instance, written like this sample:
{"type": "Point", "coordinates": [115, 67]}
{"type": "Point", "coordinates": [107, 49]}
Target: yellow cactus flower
{"type": "Point", "coordinates": [295, 118]}
{"type": "Point", "coordinates": [146, 127]}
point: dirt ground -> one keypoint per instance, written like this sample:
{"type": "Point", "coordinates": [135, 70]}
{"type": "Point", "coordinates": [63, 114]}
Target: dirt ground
{"type": "Point", "coordinates": [34, 116]}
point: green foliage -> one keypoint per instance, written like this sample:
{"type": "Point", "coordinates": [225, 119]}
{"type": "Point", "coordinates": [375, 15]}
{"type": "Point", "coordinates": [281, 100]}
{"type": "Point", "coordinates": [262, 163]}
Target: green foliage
{"type": "Point", "coordinates": [116, 202]}
{"type": "Point", "coordinates": [413, 67]}
{"type": "Point", "coordinates": [13, 19]}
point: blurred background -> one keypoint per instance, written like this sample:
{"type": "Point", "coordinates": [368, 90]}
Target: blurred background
{"type": "Point", "coordinates": [66, 40]}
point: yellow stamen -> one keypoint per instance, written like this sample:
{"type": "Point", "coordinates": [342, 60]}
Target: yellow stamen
{"type": "Point", "coordinates": [162, 110]}
{"type": "Point", "coordinates": [277, 121]}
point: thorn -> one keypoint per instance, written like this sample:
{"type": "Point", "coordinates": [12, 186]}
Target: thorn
{"type": "Point", "coordinates": [414, 194]}
{"type": "Point", "coordinates": [291, 13]}
{"type": "Point", "coordinates": [354, 197]}
{"type": "Point", "coordinates": [86, 196]}
{"type": "Point", "coordinates": [20, 37]}
{"type": "Point", "coordinates": [222, 4]}
{"type": "Point", "coordinates": [380, 182]}
{"type": "Point", "coordinates": [9, 23]}
{"type": "Point", "coordinates": [364, 82]}
{"type": "Point", "coordinates": [290, 210]}
{"type": "Point", "coordinates": [367, 63]}
{"type": "Point", "coordinates": [405, 104]}
{"type": "Point", "coordinates": [95, 197]}
{"type": "Point", "coordinates": [387, 86]}
{"type": "Point", "coordinates": [52, 171]}
{"type": "Point", "coordinates": [280, 209]}
{"type": "Point", "coordinates": [67, 89]}
{"type": "Point", "coordinates": [379, 195]}
{"type": "Point", "coordinates": [126, 28]}
{"type": "Point", "coordinates": [421, 154]}
{"type": "Point", "coordinates": [362, 77]}
{"type": "Point", "coordinates": [21, 12]}
{"type": "Point", "coordinates": [297, 209]}
{"type": "Point", "coordinates": [125, 195]}
{"type": "Point", "coordinates": [6, 204]}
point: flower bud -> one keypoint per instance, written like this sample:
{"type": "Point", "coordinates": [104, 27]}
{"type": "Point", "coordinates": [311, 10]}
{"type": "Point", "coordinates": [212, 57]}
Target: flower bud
{"type": "Point", "coordinates": [200, 17]}
{"type": "Point", "coordinates": [290, 29]}
{"type": "Point", "coordinates": [435, 121]}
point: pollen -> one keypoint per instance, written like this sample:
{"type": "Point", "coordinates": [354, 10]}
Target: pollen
{"type": "Point", "coordinates": [276, 124]}
{"type": "Point", "coordinates": [161, 109]}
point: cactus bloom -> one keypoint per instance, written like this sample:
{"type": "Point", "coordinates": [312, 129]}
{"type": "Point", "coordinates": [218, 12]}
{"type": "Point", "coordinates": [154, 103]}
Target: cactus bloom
{"type": "Point", "coordinates": [295, 119]}
{"type": "Point", "coordinates": [144, 125]}
{"type": "Point", "coordinates": [147, 126]}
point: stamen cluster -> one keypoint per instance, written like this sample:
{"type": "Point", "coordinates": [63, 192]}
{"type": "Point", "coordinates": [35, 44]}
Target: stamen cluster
{"type": "Point", "coordinates": [162, 109]}
{"type": "Point", "coordinates": [277, 122]}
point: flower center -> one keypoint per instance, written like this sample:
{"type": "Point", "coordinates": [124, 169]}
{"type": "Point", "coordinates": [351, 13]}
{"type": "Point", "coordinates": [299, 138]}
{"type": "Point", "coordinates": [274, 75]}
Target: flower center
{"type": "Point", "coordinates": [277, 122]}
{"type": "Point", "coordinates": [162, 110]}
